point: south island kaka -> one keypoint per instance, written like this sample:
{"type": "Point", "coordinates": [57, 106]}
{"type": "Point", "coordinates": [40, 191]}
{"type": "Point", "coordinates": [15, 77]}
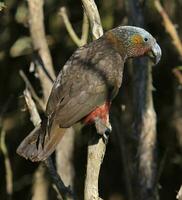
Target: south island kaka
{"type": "Point", "coordinates": [85, 87]}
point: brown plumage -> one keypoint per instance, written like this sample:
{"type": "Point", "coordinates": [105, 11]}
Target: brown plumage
{"type": "Point", "coordinates": [86, 85]}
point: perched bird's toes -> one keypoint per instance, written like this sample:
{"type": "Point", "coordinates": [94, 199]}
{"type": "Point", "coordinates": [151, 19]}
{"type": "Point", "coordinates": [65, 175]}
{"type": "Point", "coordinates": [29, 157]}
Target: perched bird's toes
{"type": "Point", "coordinates": [105, 137]}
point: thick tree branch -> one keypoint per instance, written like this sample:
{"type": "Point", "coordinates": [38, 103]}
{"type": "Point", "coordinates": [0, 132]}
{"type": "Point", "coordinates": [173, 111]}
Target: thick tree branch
{"type": "Point", "coordinates": [179, 195]}
{"type": "Point", "coordinates": [40, 187]}
{"type": "Point", "coordinates": [94, 18]}
{"type": "Point", "coordinates": [96, 152]}
{"type": "Point", "coordinates": [36, 24]}
{"type": "Point", "coordinates": [97, 147]}
{"type": "Point", "coordinates": [45, 72]}
{"type": "Point", "coordinates": [145, 118]}
{"type": "Point", "coordinates": [170, 28]}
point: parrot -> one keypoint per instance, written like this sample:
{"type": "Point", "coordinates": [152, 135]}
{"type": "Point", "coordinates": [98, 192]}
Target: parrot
{"type": "Point", "coordinates": [85, 87]}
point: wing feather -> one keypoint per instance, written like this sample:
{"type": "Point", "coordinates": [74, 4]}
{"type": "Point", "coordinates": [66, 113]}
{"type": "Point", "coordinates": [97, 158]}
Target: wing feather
{"type": "Point", "coordinates": [84, 83]}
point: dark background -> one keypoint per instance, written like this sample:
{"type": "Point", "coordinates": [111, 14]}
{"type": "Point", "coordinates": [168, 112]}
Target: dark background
{"type": "Point", "coordinates": [16, 54]}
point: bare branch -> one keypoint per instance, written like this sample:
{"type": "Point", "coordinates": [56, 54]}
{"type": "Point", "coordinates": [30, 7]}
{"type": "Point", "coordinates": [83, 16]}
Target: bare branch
{"type": "Point", "coordinates": [145, 118]}
{"type": "Point", "coordinates": [35, 118]}
{"type": "Point", "coordinates": [34, 115]}
{"type": "Point", "coordinates": [33, 93]}
{"type": "Point", "coordinates": [179, 195]}
{"type": "Point", "coordinates": [178, 75]}
{"type": "Point", "coordinates": [96, 152]}
{"type": "Point", "coordinates": [2, 6]}
{"type": "Point", "coordinates": [96, 149]}
{"type": "Point", "coordinates": [85, 29]}
{"type": "Point", "coordinates": [37, 31]}
{"type": "Point", "coordinates": [69, 27]}
{"type": "Point", "coordinates": [65, 157]}
{"type": "Point", "coordinates": [40, 184]}
{"type": "Point", "coordinates": [9, 174]}
{"type": "Point", "coordinates": [94, 18]}
{"type": "Point", "coordinates": [120, 136]}
{"type": "Point", "coordinates": [64, 191]}
{"type": "Point", "coordinates": [170, 27]}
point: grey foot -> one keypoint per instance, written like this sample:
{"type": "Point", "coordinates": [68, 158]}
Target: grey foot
{"type": "Point", "coordinates": [106, 134]}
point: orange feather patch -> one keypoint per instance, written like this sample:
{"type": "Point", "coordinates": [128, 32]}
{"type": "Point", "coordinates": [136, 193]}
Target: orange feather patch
{"type": "Point", "coordinates": [137, 39]}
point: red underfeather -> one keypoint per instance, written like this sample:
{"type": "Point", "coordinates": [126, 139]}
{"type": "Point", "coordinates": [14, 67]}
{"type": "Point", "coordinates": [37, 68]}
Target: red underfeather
{"type": "Point", "coordinates": [100, 112]}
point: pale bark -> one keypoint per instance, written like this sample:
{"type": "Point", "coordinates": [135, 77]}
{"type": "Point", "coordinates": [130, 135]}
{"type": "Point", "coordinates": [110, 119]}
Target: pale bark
{"type": "Point", "coordinates": [97, 147]}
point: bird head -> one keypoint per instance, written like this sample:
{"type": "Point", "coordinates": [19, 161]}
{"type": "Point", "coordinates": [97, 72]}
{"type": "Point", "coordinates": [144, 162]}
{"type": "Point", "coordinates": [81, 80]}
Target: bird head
{"type": "Point", "coordinates": [134, 41]}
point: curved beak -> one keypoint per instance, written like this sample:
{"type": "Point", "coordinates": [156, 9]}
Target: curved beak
{"type": "Point", "coordinates": [155, 53]}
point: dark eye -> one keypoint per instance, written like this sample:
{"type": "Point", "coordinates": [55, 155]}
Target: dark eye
{"type": "Point", "coordinates": [145, 39]}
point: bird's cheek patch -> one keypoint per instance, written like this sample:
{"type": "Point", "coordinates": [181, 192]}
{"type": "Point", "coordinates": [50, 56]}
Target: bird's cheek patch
{"type": "Point", "coordinates": [136, 39]}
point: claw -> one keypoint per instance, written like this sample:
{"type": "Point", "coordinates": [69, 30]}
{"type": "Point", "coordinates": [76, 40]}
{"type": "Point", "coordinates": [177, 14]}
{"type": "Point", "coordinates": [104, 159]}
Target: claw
{"type": "Point", "coordinates": [105, 136]}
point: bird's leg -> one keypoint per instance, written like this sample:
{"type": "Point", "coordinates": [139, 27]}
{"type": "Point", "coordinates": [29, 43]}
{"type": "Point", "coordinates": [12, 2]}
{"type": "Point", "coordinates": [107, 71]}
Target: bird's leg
{"type": "Point", "coordinates": [103, 128]}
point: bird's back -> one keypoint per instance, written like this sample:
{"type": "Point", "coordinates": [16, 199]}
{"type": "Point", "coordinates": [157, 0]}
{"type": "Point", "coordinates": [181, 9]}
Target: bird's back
{"type": "Point", "coordinates": [92, 75]}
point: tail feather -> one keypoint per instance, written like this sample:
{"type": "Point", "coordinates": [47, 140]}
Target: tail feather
{"type": "Point", "coordinates": [38, 146]}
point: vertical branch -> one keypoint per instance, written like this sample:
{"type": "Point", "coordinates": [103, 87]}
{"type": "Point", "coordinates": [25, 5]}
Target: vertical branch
{"type": "Point", "coordinates": [94, 18]}
{"type": "Point", "coordinates": [9, 175]}
{"type": "Point", "coordinates": [96, 151]}
{"type": "Point", "coordinates": [120, 136]}
{"type": "Point", "coordinates": [41, 186]}
{"type": "Point", "coordinates": [179, 195]}
{"type": "Point", "coordinates": [145, 118]}
{"type": "Point", "coordinates": [177, 116]}
{"type": "Point", "coordinates": [97, 147]}
{"type": "Point", "coordinates": [64, 158]}
{"type": "Point", "coordinates": [61, 189]}
{"type": "Point", "coordinates": [85, 29]}
{"type": "Point", "coordinates": [45, 66]}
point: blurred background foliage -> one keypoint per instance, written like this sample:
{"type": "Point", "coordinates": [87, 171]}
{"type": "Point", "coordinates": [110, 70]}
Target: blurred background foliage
{"type": "Point", "coordinates": [16, 54]}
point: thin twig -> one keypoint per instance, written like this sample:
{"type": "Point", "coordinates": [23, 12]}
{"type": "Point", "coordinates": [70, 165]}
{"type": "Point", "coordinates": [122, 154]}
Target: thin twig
{"type": "Point", "coordinates": [169, 26]}
{"type": "Point", "coordinates": [9, 175]}
{"type": "Point", "coordinates": [34, 115]}
{"type": "Point", "coordinates": [35, 118]}
{"type": "Point", "coordinates": [69, 27]}
{"type": "Point", "coordinates": [178, 75]}
{"type": "Point", "coordinates": [3, 148]}
{"type": "Point", "coordinates": [63, 190]}
{"type": "Point", "coordinates": [32, 91]}
{"type": "Point", "coordinates": [85, 29]}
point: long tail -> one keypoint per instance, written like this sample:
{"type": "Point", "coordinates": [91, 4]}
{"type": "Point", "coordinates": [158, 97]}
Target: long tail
{"type": "Point", "coordinates": [38, 146]}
